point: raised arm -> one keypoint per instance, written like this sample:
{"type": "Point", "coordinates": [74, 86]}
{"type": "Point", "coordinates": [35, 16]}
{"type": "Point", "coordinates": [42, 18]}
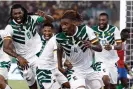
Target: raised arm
{"type": "Point", "coordinates": [47, 18]}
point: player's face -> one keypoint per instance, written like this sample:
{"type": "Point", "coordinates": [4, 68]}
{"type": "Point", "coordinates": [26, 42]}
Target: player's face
{"type": "Point", "coordinates": [66, 25]}
{"type": "Point", "coordinates": [47, 32]}
{"type": "Point", "coordinates": [125, 36]}
{"type": "Point", "coordinates": [103, 21]}
{"type": "Point", "coordinates": [18, 15]}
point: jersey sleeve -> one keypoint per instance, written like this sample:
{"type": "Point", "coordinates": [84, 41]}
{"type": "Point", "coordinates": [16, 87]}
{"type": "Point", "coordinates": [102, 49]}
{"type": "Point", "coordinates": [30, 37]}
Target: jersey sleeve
{"type": "Point", "coordinates": [38, 19]}
{"type": "Point", "coordinates": [92, 37]}
{"type": "Point", "coordinates": [117, 34]}
{"type": "Point", "coordinates": [8, 31]}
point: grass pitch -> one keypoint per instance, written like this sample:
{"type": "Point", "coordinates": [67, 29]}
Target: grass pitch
{"type": "Point", "coordinates": [18, 84]}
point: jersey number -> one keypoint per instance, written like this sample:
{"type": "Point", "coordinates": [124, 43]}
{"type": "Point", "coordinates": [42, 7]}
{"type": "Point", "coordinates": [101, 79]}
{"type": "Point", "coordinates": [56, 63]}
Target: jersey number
{"type": "Point", "coordinates": [28, 35]}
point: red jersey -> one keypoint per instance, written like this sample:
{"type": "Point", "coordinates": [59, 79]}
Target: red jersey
{"type": "Point", "coordinates": [121, 58]}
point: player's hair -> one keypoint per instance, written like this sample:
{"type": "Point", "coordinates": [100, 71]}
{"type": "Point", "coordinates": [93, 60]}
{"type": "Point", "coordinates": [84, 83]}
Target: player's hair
{"type": "Point", "coordinates": [16, 6]}
{"type": "Point", "coordinates": [123, 33]}
{"type": "Point", "coordinates": [71, 14]}
{"type": "Point", "coordinates": [125, 30]}
{"type": "Point", "coordinates": [48, 24]}
{"type": "Point", "coordinates": [104, 14]}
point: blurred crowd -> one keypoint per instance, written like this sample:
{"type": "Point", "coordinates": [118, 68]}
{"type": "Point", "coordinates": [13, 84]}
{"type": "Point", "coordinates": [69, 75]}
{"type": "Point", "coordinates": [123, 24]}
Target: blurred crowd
{"type": "Point", "coordinates": [88, 9]}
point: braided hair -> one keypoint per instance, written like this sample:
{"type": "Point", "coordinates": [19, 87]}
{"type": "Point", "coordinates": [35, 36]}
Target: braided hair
{"type": "Point", "coordinates": [16, 6]}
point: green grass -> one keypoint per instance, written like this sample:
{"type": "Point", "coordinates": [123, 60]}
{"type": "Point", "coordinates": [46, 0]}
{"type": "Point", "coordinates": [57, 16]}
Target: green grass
{"type": "Point", "coordinates": [18, 84]}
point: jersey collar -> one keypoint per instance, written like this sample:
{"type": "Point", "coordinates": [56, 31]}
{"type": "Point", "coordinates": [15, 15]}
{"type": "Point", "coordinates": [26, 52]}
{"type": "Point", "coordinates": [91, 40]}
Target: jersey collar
{"type": "Point", "coordinates": [104, 30]}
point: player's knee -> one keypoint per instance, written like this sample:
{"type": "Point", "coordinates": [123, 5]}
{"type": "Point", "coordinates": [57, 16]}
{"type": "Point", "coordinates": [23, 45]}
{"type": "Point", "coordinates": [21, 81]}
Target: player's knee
{"type": "Point", "coordinates": [106, 80]}
{"type": "Point", "coordinates": [2, 81]}
{"type": "Point", "coordinates": [66, 85]}
{"type": "Point", "coordinates": [2, 84]}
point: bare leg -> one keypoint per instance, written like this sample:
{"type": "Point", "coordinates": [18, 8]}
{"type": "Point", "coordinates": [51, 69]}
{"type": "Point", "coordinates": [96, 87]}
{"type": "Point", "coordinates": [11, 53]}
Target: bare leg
{"type": "Point", "coordinates": [34, 86]}
{"type": "Point", "coordinates": [106, 81]}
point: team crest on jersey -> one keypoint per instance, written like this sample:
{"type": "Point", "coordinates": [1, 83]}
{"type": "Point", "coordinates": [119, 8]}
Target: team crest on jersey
{"type": "Point", "coordinates": [109, 34]}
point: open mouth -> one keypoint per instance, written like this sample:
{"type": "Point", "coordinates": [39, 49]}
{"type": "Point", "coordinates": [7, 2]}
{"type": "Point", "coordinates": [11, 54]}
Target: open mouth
{"type": "Point", "coordinates": [101, 26]}
{"type": "Point", "coordinates": [18, 19]}
{"type": "Point", "coordinates": [47, 37]}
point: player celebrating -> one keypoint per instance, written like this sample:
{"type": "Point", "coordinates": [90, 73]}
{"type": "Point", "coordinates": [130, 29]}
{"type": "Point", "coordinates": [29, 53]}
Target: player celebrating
{"type": "Point", "coordinates": [110, 40]}
{"type": "Point", "coordinates": [47, 33]}
{"type": "Point", "coordinates": [77, 42]}
{"type": "Point", "coordinates": [26, 40]}
{"type": "Point", "coordinates": [4, 64]}
{"type": "Point", "coordinates": [47, 71]}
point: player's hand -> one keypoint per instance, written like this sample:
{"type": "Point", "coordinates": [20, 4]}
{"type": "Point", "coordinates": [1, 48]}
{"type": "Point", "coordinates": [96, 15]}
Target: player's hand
{"type": "Point", "coordinates": [23, 62]}
{"type": "Point", "coordinates": [87, 44]}
{"type": "Point", "coordinates": [69, 66]}
{"type": "Point", "coordinates": [40, 13]}
{"type": "Point", "coordinates": [48, 18]}
{"type": "Point", "coordinates": [107, 47]}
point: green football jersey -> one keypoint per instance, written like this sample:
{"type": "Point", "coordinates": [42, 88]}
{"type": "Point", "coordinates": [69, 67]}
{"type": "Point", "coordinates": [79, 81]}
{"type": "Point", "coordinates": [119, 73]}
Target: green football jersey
{"type": "Point", "coordinates": [109, 35]}
{"type": "Point", "coordinates": [80, 56]}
